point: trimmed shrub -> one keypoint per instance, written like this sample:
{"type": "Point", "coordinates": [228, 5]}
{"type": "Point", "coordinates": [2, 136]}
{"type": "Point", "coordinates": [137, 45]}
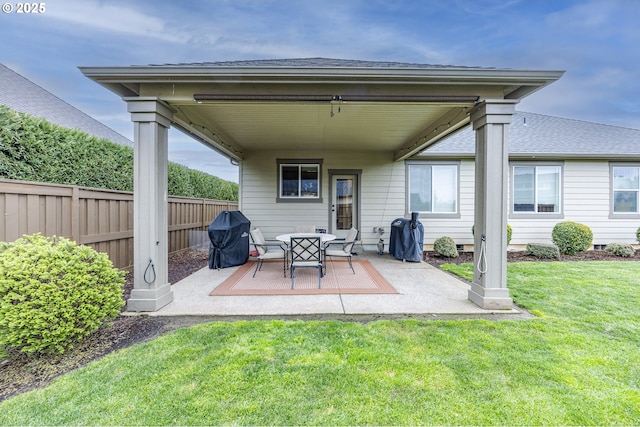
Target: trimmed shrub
{"type": "Point", "coordinates": [53, 293]}
{"type": "Point", "coordinates": [542, 250]}
{"type": "Point", "coordinates": [509, 232]}
{"type": "Point", "coordinates": [638, 235]}
{"type": "Point", "coordinates": [620, 249]}
{"type": "Point", "coordinates": [32, 149]}
{"type": "Point", "coordinates": [446, 247]}
{"type": "Point", "coordinates": [571, 237]}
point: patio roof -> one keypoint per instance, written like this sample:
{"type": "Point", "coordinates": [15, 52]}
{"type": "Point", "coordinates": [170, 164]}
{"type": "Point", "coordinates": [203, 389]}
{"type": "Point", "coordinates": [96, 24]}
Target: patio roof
{"type": "Point", "coordinates": [322, 105]}
{"type": "Point", "coordinates": [301, 104]}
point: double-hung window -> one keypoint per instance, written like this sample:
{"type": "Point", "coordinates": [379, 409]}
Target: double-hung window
{"type": "Point", "coordinates": [536, 188]}
{"type": "Point", "coordinates": [433, 187]}
{"type": "Point", "coordinates": [625, 189]}
{"type": "Point", "coordinates": [299, 180]}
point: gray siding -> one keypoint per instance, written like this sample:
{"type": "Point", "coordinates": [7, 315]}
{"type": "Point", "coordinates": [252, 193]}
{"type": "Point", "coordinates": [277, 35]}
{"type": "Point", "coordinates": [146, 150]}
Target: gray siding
{"type": "Point", "coordinates": [382, 192]}
{"type": "Point", "coordinates": [585, 199]}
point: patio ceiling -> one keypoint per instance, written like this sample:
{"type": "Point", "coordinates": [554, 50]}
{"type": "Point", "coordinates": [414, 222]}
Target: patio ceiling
{"type": "Point", "coordinates": [397, 109]}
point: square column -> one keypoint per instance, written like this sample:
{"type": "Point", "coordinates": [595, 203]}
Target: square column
{"type": "Point", "coordinates": [151, 287]}
{"type": "Point", "coordinates": [491, 120]}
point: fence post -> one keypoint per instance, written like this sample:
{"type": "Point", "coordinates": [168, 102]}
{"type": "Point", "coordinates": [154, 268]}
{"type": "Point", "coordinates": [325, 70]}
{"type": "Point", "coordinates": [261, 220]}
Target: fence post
{"type": "Point", "coordinates": [75, 214]}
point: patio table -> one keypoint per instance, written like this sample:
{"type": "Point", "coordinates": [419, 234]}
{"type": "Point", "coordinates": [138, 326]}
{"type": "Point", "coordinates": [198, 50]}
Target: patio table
{"type": "Point", "coordinates": [324, 237]}
{"type": "Point", "coordinates": [286, 239]}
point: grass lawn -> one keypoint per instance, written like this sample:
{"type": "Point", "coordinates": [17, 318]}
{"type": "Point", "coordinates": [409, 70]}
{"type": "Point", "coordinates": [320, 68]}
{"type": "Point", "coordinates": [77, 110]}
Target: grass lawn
{"type": "Point", "coordinates": [578, 363]}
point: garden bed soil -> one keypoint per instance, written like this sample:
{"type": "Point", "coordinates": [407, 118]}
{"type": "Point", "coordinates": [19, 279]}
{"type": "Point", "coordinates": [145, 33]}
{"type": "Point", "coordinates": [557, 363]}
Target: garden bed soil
{"type": "Point", "coordinates": [20, 373]}
{"type": "Point", "coordinates": [521, 256]}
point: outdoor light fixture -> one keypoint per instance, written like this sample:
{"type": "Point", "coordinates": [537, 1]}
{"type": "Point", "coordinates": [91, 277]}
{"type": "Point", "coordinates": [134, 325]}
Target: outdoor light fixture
{"type": "Point", "coordinates": [338, 99]}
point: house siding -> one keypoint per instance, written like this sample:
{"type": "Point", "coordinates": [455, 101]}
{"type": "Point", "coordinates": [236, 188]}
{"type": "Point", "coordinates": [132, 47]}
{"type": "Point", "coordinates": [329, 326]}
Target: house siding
{"type": "Point", "coordinates": [585, 199]}
{"type": "Point", "coordinates": [381, 199]}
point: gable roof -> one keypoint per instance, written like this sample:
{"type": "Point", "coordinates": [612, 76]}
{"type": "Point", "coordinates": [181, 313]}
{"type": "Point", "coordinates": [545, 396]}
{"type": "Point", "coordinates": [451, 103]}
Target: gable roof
{"type": "Point", "coordinates": [540, 136]}
{"type": "Point", "coordinates": [21, 94]}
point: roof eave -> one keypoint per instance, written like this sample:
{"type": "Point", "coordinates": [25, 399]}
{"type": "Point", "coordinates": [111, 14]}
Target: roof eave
{"type": "Point", "coordinates": [156, 74]}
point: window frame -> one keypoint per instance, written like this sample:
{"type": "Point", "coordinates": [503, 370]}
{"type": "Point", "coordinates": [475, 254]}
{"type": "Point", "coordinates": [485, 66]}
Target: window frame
{"type": "Point", "coordinates": [535, 214]}
{"type": "Point", "coordinates": [411, 163]}
{"type": "Point", "coordinates": [622, 215]}
{"type": "Point", "coordinates": [299, 163]}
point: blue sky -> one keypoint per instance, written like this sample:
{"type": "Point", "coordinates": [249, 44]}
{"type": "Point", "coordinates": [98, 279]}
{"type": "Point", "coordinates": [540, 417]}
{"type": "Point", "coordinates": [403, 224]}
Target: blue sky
{"type": "Point", "coordinates": [595, 41]}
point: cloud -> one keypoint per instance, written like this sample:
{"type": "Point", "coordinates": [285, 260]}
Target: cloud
{"type": "Point", "coordinates": [114, 19]}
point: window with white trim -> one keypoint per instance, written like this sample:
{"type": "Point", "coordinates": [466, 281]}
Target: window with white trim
{"type": "Point", "coordinates": [626, 189]}
{"type": "Point", "coordinates": [536, 188]}
{"type": "Point", "coordinates": [299, 181]}
{"type": "Point", "coordinates": [433, 188]}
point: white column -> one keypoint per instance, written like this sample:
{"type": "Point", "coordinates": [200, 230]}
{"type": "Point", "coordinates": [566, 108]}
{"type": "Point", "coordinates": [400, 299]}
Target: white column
{"type": "Point", "coordinates": [491, 120]}
{"type": "Point", "coordinates": [151, 287]}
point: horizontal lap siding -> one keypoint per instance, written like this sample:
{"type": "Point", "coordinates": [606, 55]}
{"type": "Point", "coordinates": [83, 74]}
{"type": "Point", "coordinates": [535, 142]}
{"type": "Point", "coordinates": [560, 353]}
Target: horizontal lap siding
{"type": "Point", "coordinates": [383, 197]}
{"type": "Point", "coordinates": [382, 192]}
{"type": "Point", "coordinates": [585, 198]}
{"type": "Point", "coordinates": [101, 219]}
{"type": "Point", "coordinates": [588, 201]}
{"type": "Point", "coordinates": [258, 197]}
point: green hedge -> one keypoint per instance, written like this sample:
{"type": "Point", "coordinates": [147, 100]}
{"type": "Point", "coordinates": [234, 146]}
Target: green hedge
{"type": "Point", "coordinates": [33, 149]}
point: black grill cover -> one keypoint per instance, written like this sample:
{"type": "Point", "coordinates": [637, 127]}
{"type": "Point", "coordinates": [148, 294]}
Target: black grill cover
{"type": "Point", "coordinates": [407, 237]}
{"type": "Point", "coordinates": [229, 235]}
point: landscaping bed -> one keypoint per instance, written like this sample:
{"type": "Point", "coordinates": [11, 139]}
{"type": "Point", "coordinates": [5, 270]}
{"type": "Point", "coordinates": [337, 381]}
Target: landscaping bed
{"type": "Point", "coordinates": [520, 256]}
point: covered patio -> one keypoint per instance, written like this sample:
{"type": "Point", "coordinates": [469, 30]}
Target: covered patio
{"type": "Point", "coordinates": [423, 291]}
{"type": "Point", "coordinates": [330, 119]}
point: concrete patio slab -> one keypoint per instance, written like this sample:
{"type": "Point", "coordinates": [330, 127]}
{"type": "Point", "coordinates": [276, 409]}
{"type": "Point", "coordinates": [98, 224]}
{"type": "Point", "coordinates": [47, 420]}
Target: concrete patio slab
{"type": "Point", "coordinates": [423, 290]}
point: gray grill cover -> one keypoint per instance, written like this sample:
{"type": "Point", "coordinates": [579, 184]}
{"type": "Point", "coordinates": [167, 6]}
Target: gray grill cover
{"type": "Point", "coordinates": [229, 235]}
{"type": "Point", "coordinates": [407, 237]}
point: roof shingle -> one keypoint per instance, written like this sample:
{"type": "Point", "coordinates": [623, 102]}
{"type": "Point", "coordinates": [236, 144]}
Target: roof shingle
{"type": "Point", "coordinates": [21, 94]}
{"type": "Point", "coordinates": [538, 134]}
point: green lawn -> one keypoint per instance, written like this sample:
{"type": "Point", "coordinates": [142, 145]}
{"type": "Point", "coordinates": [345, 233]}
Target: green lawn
{"type": "Point", "coordinates": [578, 363]}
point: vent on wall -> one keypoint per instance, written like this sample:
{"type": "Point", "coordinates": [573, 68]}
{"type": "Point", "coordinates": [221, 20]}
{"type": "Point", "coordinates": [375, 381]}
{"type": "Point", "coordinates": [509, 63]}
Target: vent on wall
{"type": "Point", "coordinates": [599, 247]}
{"type": "Point", "coordinates": [460, 248]}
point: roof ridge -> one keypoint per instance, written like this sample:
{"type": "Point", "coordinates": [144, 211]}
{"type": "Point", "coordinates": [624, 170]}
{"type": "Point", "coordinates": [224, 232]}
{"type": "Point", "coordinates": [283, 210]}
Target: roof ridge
{"type": "Point", "coordinates": [316, 62]}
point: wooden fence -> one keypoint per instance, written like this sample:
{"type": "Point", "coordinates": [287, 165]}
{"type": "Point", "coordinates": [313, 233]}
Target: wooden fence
{"type": "Point", "coordinates": [102, 219]}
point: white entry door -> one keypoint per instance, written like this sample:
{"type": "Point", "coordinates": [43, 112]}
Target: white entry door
{"type": "Point", "coordinates": [344, 204]}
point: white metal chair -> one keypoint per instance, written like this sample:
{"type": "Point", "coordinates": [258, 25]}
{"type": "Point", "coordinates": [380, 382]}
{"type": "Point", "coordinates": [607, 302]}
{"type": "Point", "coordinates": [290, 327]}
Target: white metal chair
{"type": "Point", "coordinates": [268, 251]}
{"type": "Point", "coordinates": [306, 252]}
{"type": "Point", "coordinates": [345, 250]}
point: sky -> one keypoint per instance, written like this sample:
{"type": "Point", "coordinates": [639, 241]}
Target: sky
{"type": "Point", "coordinates": [595, 41]}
